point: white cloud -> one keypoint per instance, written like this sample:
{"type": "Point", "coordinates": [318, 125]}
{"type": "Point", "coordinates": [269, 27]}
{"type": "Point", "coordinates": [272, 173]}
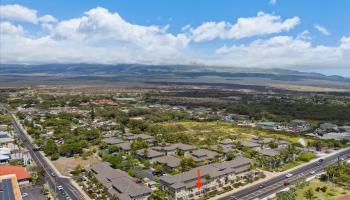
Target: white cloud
{"type": "Point", "coordinates": [305, 35]}
{"type": "Point", "coordinates": [15, 12]}
{"type": "Point", "coordinates": [285, 51]}
{"type": "Point", "coordinates": [18, 13]}
{"type": "Point", "coordinates": [273, 2]}
{"type": "Point", "coordinates": [322, 29]}
{"type": "Point", "coordinates": [262, 24]}
{"type": "Point", "coordinates": [10, 29]}
{"type": "Point", "coordinates": [99, 36]}
{"type": "Point", "coordinates": [345, 42]}
{"type": "Point", "coordinates": [46, 19]}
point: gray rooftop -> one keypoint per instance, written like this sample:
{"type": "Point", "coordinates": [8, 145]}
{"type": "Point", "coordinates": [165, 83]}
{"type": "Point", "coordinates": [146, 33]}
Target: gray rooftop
{"type": "Point", "coordinates": [250, 144]}
{"type": "Point", "coordinates": [226, 142]}
{"type": "Point", "coordinates": [173, 147]}
{"type": "Point", "coordinates": [188, 179]}
{"type": "Point", "coordinates": [203, 154]}
{"type": "Point", "coordinates": [150, 153]}
{"type": "Point", "coordinates": [224, 149]}
{"type": "Point", "coordinates": [118, 182]}
{"type": "Point", "coordinates": [140, 136]}
{"type": "Point", "coordinates": [124, 146]}
{"type": "Point", "coordinates": [6, 190]}
{"type": "Point", "coordinates": [169, 161]}
{"type": "Point", "coordinates": [112, 140]}
{"type": "Point", "coordinates": [269, 152]}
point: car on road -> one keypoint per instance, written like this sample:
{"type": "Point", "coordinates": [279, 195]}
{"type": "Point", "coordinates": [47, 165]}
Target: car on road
{"type": "Point", "coordinates": [320, 160]}
{"type": "Point", "coordinates": [60, 187]}
{"type": "Point", "coordinates": [53, 174]}
{"type": "Point", "coordinates": [24, 194]}
{"type": "Point", "coordinates": [289, 175]}
{"type": "Point", "coordinates": [261, 186]}
{"type": "Point", "coordinates": [285, 183]}
{"type": "Point", "coordinates": [68, 197]}
{"type": "Point", "coordinates": [312, 172]}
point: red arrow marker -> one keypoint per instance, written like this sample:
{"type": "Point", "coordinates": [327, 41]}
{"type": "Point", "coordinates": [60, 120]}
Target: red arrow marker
{"type": "Point", "coordinates": [198, 183]}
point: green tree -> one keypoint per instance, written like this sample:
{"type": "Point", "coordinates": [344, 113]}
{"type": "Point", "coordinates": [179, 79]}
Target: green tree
{"type": "Point", "coordinates": [230, 155]}
{"type": "Point", "coordinates": [309, 194]}
{"type": "Point", "coordinates": [132, 172]}
{"type": "Point", "coordinates": [286, 195]}
{"type": "Point", "coordinates": [157, 195]}
{"type": "Point", "coordinates": [50, 147]}
{"type": "Point", "coordinates": [187, 163]}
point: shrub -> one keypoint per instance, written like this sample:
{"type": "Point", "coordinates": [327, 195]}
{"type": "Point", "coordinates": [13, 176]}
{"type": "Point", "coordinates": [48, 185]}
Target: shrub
{"type": "Point", "coordinates": [324, 189]}
{"type": "Point", "coordinates": [305, 157]}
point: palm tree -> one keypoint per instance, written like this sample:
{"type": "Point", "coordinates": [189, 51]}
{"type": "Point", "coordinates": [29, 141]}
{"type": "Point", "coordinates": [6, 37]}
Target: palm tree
{"type": "Point", "coordinates": [309, 194]}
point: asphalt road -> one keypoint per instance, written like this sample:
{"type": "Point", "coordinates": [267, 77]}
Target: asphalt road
{"type": "Point", "coordinates": [276, 184]}
{"type": "Point", "coordinates": [68, 188]}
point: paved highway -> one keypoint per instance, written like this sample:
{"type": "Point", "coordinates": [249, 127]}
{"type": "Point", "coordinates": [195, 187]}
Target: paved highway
{"type": "Point", "coordinates": [276, 184]}
{"type": "Point", "coordinates": [69, 191]}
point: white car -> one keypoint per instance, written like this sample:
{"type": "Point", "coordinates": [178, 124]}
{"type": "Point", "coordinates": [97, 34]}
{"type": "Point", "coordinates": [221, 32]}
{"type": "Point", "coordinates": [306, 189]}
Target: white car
{"type": "Point", "coordinates": [289, 175]}
{"type": "Point", "coordinates": [25, 194]}
{"type": "Point", "coordinates": [60, 187]}
{"type": "Point", "coordinates": [312, 172]}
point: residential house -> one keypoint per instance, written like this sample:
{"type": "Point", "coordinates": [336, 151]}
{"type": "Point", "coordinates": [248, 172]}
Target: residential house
{"type": "Point", "coordinates": [251, 145]}
{"type": "Point", "coordinates": [212, 176]}
{"type": "Point", "coordinates": [126, 146]}
{"type": "Point", "coordinates": [112, 140]}
{"type": "Point", "coordinates": [269, 152]}
{"type": "Point", "coordinates": [5, 154]}
{"type": "Point", "coordinates": [23, 177]}
{"type": "Point", "coordinates": [119, 183]}
{"type": "Point", "coordinates": [226, 142]}
{"type": "Point", "coordinates": [148, 154]}
{"type": "Point", "coordinates": [203, 155]}
{"type": "Point", "coordinates": [5, 138]}
{"type": "Point", "coordinates": [172, 149]}
{"type": "Point", "coordinates": [169, 162]}
{"type": "Point", "coordinates": [149, 139]}
{"type": "Point", "coordinates": [224, 149]}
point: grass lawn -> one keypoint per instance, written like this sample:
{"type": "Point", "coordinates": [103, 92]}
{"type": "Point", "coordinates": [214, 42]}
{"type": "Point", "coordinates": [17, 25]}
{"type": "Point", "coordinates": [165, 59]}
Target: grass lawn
{"type": "Point", "coordinates": [64, 165]}
{"type": "Point", "coordinates": [333, 192]}
{"type": "Point", "coordinates": [223, 130]}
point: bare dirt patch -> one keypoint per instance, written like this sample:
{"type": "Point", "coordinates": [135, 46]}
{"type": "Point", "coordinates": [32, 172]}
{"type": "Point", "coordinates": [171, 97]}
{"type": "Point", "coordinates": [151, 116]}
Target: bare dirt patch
{"type": "Point", "coordinates": [65, 165]}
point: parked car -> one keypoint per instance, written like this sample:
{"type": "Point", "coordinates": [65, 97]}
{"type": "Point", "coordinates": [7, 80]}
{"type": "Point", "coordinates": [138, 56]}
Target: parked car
{"type": "Point", "coordinates": [24, 194]}
{"type": "Point", "coordinates": [289, 175]}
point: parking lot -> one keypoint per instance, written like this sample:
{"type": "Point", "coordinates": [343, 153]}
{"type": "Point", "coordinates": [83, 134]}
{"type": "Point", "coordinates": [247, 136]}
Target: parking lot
{"type": "Point", "coordinates": [34, 193]}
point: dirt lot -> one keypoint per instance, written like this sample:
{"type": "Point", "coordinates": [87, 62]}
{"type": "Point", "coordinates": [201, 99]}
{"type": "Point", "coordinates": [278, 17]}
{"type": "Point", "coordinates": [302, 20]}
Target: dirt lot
{"type": "Point", "coordinates": [64, 165]}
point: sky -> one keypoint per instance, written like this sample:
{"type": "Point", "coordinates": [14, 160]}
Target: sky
{"type": "Point", "coordinates": [311, 35]}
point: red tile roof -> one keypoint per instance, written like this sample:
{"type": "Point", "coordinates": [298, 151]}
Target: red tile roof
{"type": "Point", "coordinates": [20, 172]}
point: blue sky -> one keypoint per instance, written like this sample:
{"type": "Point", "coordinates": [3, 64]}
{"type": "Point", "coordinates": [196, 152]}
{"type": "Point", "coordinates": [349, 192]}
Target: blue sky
{"type": "Point", "coordinates": [311, 35]}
